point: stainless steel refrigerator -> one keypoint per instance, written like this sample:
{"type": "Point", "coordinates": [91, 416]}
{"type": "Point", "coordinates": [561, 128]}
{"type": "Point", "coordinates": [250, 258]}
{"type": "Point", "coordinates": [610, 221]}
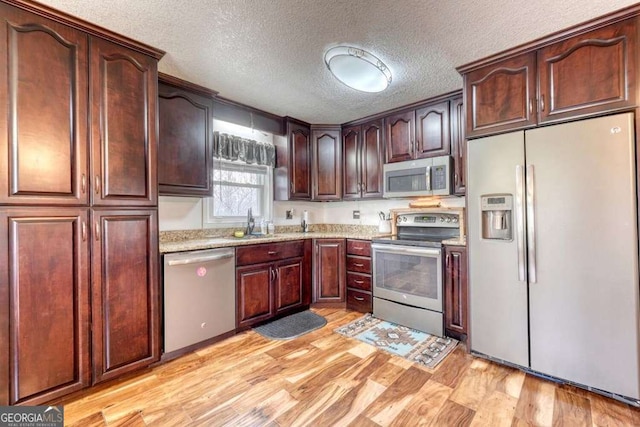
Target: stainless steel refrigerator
{"type": "Point", "coordinates": [553, 252]}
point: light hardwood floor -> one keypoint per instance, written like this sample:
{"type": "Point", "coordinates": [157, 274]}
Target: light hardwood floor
{"type": "Point", "coordinates": [324, 379]}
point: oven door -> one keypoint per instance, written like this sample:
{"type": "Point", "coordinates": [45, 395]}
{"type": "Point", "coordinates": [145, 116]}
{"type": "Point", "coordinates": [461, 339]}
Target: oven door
{"type": "Point", "coordinates": [409, 275]}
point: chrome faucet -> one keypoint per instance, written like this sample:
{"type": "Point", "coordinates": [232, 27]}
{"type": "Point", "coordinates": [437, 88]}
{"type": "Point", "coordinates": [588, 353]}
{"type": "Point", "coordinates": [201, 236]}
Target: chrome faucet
{"type": "Point", "coordinates": [250, 223]}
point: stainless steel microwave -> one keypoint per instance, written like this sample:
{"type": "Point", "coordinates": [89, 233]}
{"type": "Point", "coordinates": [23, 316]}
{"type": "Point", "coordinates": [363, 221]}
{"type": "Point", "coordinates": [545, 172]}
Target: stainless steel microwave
{"type": "Point", "coordinates": [417, 178]}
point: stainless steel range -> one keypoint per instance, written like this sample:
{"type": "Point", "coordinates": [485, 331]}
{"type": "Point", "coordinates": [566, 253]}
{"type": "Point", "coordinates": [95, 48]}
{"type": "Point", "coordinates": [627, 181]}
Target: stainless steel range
{"type": "Point", "coordinates": [407, 267]}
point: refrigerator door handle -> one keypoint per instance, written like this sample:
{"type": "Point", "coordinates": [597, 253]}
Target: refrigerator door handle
{"type": "Point", "coordinates": [531, 224]}
{"type": "Point", "coordinates": [519, 211]}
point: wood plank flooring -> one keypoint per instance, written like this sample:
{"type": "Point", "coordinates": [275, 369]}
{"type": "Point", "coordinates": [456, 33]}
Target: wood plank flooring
{"type": "Point", "coordinates": [324, 379]}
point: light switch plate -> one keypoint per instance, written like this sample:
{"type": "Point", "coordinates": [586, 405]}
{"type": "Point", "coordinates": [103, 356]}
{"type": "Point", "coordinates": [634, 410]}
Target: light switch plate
{"type": "Point", "coordinates": [289, 214]}
{"type": "Point", "coordinates": [356, 214]}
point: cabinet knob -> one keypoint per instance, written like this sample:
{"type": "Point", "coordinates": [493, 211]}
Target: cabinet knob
{"type": "Point", "coordinates": [530, 105]}
{"type": "Point", "coordinates": [83, 183]}
{"type": "Point", "coordinates": [97, 184]}
{"type": "Point", "coordinates": [97, 231]}
{"type": "Point", "coordinates": [84, 231]}
{"type": "Point", "coordinates": [447, 260]}
{"type": "Point", "coordinates": [273, 252]}
{"type": "Point", "coordinates": [542, 102]}
{"type": "Point", "coordinates": [455, 179]}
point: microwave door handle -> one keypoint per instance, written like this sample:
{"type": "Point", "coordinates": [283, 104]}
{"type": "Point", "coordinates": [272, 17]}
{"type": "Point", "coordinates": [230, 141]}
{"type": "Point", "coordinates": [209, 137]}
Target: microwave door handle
{"type": "Point", "coordinates": [428, 176]}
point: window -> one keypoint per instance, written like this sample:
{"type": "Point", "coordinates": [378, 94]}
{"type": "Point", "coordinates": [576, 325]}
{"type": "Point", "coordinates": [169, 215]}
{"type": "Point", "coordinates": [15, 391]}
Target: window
{"type": "Point", "coordinates": [236, 188]}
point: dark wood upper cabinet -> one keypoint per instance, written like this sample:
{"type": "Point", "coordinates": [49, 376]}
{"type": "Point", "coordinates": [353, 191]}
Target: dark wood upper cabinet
{"type": "Point", "coordinates": [433, 130]}
{"type": "Point", "coordinates": [458, 146]}
{"type": "Point", "coordinates": [300, 161]}
{"type": "Point", "coordinates": [125, 294]}
{"type": "Point", "coordinates": [501, 96]}
{"type": "Point", "coordinates": [123, 86]}
{"type": "Point", "coordinates": [185, 118]}
{"type": "Point", "coordinates": [326, 167]}
{"type": "Point", "coordinates": [578, 73]}
{"type": "Point", "coordinates": [362, 156]}
{"type": "Point", "coordinates": [44, 304]}
{"type": "Point", "coordinates": [400, 136]}
{"type": "Point", "coordinates": [43, 129]}
{"type": "Point", "coordinates": [589, 73]}
{"type": "Point", "coordinates": [352, 162]}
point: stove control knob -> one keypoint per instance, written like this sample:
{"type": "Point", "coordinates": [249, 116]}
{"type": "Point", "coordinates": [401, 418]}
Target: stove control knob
{"type": "Point", "coordinates": [398, 220]}
{"type": "Point", "coordinates": [441, 219]}
{"type": "Point", "coordinates": [448, 219]}
{"type": "Point", "coordinates": [455, 219]}
{"type": "Point", "coordinates": [404, 219]}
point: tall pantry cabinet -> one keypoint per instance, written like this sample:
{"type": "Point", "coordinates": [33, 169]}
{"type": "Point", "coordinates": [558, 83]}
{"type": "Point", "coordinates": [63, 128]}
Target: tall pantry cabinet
{"type": "Point", "coordinates": [78, 205]}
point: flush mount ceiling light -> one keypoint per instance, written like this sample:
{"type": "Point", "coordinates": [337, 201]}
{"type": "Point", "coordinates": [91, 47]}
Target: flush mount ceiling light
{"type": "Point", "coordinates": [357, 68]}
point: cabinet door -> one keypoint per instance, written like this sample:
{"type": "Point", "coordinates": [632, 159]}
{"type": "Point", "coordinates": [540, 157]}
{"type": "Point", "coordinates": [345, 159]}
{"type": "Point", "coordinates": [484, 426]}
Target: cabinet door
{"type": "Point", "coordinates": [371, 154]}
{"type": "Point", "coordinates": [43, 130]}
{"type": "Point", "coordinates": [501, 96]}
{"type": "Point", "coordinates": [455, 291]}
{"type": "Point", "coordinates": [124, 259]}
{"type": "Point", "coordinates": [44, 304]}
{"type": "Point", "coordinates": [288, 284]}
{"type": "Point", "coordinates": [590, 73]}
{"type": "Point", "coordinates": [299, 161]}
{"type": "Point", "coordinates": [400, 136]}
{"type": "Point", "coordinates": [185, 138]}
{"type": "Point", "coordinates": [458, 146]}
{"type": "Point", "coordinates": [433, 136]}
{"type": "Point", "coordinates": [123, 126]}
{"type": "Point", "coordinates": [327, 164]}
{"type": "Point", "coordinates": [351, 163]}
{"type": "Point", "coordinates": [254, 296]}
{"type": "Point", "coordinates": [329, 271]}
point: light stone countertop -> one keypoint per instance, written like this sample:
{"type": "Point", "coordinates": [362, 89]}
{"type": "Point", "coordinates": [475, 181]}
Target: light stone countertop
{"type": "Point", "coordinates": [192, 240]}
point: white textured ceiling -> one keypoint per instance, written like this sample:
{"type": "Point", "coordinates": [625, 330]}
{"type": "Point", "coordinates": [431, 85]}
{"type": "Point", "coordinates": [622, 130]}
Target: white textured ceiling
{"type": "Point", "coordinates": [269, 53]}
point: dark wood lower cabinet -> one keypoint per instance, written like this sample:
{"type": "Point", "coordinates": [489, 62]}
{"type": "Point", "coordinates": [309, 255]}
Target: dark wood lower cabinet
{"type": "Point", "coordinates": [44, 304]}
{"type": "Point", "coordinates": [359, 297]}
{"type": "Point", "coordinates": [455, 292]}
{"type": "Point", "coordinates": [329, 271]}
{"type": "Point", "coordinates": [272, 279]}
{"type": "Point", "coordinates": [125, 295]}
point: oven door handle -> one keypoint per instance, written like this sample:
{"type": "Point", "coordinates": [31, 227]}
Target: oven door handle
{"type": "Point", "coordinates": [405, 250]}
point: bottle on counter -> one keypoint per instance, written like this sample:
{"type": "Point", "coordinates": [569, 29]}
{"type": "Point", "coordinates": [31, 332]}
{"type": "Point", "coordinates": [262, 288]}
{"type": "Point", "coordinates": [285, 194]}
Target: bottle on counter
{"type": "Point", "coordinates": [271, 229]}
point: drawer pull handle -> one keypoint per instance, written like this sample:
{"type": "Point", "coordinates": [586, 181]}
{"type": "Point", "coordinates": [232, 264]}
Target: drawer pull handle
{"type": "Point", "coordinates": [273, 252]}
{"type": "Point", "coordinates": [357, 248]}
{"type": "Point", "coordinates": [358, 298]}
{"type": "Point", "coordinates": [357, 264]}
{"type": "Point", "coordinates": [359, 282]}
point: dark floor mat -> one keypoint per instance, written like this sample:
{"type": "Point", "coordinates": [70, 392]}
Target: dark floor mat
{"type": "Point", "coordinates": [292, 326]}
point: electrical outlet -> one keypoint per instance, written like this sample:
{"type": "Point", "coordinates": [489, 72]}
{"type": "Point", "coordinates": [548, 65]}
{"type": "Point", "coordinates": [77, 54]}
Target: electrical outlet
{"type": "Point", "coordinates": [289, 214]}
{"type": "Point", "coordinates": [356, 214]}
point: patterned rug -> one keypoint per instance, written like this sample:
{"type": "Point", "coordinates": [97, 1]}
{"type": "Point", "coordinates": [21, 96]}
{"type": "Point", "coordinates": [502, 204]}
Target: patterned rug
{"type": "Point", "coordinates": [416, 346]}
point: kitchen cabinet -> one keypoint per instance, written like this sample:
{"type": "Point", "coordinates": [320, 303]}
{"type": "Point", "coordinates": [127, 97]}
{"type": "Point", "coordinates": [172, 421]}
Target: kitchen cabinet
{"type": "Point", "coordinates": [455, 292]}
{"type": "Point", "coordinates": [185, 138]}
{"type": "Point", "coordinates": [44, 303]}
{"type": "Point", "coordinates": [78, 131]}
{"type": "Point", "coordinates": [292, 174]}
{"type": "Point", "coordinates": [329, 271]}
{"type": "Point", "coordinates": [358, 280]}
{"type": "Point", "coordinates": [123, 86]}
{"type": "Point", "coordinates": [43, 125]}
{"type": "Point", "coordinates": [580, 75]}
{"type": "Point", "coordinates": [400, 136]}
{"type": "Point", "coordinates": [272, 279]}
{"type": "Point", "coordinates": [458, 146]}
{"type": "Point", "coordinates": [125, 296]}
{"type": "Point", "coordinates": [419, 133]}
{"type": "Point", "coordinates": [326, 170]}
{"type": "Point", "coordinates": [362, 156]}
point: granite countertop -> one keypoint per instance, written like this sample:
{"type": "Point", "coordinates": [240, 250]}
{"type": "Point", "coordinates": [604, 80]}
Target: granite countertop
{"type": "Point", "coordinates": [191, 240]}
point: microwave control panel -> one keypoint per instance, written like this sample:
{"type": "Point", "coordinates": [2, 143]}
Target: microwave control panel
{"type": "Point", "coordinates": [439, 177]}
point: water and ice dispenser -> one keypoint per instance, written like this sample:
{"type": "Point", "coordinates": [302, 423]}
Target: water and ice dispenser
{"type": "Point", "coordinates": [497, 216]}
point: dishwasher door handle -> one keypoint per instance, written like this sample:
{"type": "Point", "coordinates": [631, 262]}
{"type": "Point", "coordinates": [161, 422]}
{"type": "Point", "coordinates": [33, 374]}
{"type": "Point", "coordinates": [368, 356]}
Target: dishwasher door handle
{"type": "Point", "coordinates": [196, 260]}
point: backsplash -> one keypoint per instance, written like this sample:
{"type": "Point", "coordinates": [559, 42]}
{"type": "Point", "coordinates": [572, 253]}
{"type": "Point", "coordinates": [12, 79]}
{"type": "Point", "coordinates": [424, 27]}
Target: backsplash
{"type": "Point", "coordinates": [185, 213]}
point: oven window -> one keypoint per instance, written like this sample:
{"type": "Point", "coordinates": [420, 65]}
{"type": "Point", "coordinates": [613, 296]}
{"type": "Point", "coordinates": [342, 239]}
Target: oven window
{"type": "Point", "coordinates": [407, 274]}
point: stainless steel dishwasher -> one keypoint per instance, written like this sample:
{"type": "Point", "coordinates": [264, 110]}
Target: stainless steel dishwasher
{"type": "Point", "coordinates": [199, 296]}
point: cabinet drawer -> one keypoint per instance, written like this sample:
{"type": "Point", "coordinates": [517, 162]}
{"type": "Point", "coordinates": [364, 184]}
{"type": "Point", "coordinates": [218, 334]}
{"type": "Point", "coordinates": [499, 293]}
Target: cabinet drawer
{"type": "Point", "coordinates": [359, 281]}
{"type": "Point", "coordinates": [359, 301]}
{"type": "Point", "coordinates": [255, 254]}
{"type": "Point", "coordinates": [358, 247]}
{"type": "Point", "coordinates": [359, 264]}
